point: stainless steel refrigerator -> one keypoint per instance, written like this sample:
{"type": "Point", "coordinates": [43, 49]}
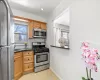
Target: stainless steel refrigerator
{"type": "Point", "coordinates": [6, 41]}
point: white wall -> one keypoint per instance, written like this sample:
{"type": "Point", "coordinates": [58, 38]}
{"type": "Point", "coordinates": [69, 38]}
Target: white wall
{"type": "Point", "coordinates": [28, 15]}
{"type": "Point", "coordinates": [84, 25]}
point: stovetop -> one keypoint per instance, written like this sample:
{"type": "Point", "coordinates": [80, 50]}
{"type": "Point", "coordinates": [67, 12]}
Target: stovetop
{"type": "Point", "coordinates": [40, 49]}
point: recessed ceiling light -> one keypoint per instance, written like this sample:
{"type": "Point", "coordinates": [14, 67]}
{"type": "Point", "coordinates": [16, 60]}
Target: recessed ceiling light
{"type": "Point", "coordinates": [42, 9]}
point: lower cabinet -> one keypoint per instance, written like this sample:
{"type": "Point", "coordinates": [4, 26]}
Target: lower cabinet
{"type": "Point", "coordinates": [28, 60]}
{"type": "Point", "coordinates": [23, 63]}
{"type": "Point", "coordinates": [18, 70]}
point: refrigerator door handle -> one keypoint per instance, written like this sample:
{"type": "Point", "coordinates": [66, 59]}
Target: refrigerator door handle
{"type": "Point", "coordinates": [2, 46]}
{"type": "Point", "coordinates": [0, 66]}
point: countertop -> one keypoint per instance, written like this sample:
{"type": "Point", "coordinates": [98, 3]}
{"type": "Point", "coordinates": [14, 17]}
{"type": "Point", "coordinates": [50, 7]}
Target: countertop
{"type": "Point", "coordinates": [61, 47]}
{"type": "Point", "coordinates": [24, 49]}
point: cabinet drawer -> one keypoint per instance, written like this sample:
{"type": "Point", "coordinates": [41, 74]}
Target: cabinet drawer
{"type": "Point", "coordinates": [28, 67]}
{"type": "Point", "coordinates": [28, 53]}
{"type": "Point", "coordinates": [17, 55]}
{"type": "Point", "coordinates": [28, 59]}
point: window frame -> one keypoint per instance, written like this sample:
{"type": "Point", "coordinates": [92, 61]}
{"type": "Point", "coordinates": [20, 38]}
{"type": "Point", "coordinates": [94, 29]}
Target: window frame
{"type": "Point", "coordinates": [65, 31]}
{"type": "Point", "coordinates": [55, 40]}
{"type": "Point", "coordinates": [24, 24]}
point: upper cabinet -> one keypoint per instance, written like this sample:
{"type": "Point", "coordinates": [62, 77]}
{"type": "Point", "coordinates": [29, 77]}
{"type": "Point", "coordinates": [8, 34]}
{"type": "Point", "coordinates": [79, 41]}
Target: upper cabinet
{"type": "Point", "coordinates": [40, 25]}
{"type": "Point", "coordinates": [37, 25]}
{"type": "Point", "coordinates": [43, 26]}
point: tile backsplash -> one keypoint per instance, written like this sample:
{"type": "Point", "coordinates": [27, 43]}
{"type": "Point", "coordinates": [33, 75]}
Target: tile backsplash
{"type": "Point", "coordinates": [21, 46]}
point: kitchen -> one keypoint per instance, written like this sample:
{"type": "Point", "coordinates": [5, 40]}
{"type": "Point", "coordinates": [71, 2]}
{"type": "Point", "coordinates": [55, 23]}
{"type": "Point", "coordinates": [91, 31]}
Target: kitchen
{"type": "Point", "coordinates": [24, 45]}
{"type": "Point", "coordinates": [33, 58]}
{"type": "Point", "coordinates": [40, 40]}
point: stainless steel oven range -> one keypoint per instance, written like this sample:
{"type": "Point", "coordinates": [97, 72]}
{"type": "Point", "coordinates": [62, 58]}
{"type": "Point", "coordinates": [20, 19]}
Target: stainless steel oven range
{"type": "Point", "coordinates": [41, 57]}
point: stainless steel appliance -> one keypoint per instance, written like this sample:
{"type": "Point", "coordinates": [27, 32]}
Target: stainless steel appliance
{"type": "Point", "coordinates": [39, 33]}
{"type": "Point", "coordinates": [6, 41]}
{"type": "Point", "coordinates": [41, 57]}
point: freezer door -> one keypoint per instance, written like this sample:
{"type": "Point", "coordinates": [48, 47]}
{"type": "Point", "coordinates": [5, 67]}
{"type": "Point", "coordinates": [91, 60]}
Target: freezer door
{"type": "Point", "coordinates": [7, 63]}
{"type": "Point", "coordinates": [6, 24]}
{"type": "Point", "coordinates": [3, 23]}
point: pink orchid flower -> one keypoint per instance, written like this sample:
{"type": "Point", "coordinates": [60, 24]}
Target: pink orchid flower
{"type": "Point", "coordinates": [90, 56]}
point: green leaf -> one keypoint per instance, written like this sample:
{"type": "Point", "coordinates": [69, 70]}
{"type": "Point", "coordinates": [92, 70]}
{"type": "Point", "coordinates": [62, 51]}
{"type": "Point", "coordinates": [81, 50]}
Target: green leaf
{"type": "Point", "coordinates": [83, 78]}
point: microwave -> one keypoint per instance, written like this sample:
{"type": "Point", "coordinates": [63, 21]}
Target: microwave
{"type": "Point", "coordinates": [39, 33]}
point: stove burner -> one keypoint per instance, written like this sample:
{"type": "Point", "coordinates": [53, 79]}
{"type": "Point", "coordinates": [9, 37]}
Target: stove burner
{"type": "Point", "coordinates": [40, 49]}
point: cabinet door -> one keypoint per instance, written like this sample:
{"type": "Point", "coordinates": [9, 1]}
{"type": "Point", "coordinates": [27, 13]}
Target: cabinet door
{"type": "Point", "coordinates": [18, 71]}
{"type": "Point", "coordinates": [31, 29]}
{"type": "Point", "coordinates": [37, 25]}
{"type": "Point", "coordinates": [43, 26]}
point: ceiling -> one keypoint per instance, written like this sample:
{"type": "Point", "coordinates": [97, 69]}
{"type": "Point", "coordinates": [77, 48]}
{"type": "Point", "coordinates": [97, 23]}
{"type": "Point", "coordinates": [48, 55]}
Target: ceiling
{"type": "Point", "coordinates": [34, 6]}
{"type": "Point", "coordinates": [64, 18]}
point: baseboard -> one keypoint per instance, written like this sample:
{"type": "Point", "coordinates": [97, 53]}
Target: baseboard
{"type": "Point", "coordinates": [56, 74]}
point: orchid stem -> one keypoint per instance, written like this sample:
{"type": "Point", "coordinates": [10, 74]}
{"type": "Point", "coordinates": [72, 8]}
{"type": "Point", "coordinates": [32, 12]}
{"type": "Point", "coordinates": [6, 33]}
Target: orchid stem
{"type": "Point", "coordinates": [87, 73]}
{"type": "Point", "coordinates": [90, 74]}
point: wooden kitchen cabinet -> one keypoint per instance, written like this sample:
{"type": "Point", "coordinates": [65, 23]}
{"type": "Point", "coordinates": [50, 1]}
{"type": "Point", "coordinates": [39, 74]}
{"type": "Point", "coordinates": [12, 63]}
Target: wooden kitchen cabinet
{"type": "Point", "coordinates": [43, 26]}
{"type": "Point", "coordinates": [28, 67]}
{"type": "Point", "coordinates": [23, 63]}
{"type": "Point", "coordinates": [18, 70]}
{"type": "Point", "coordinates": [31, 29]}
{"type": "Point", "coordinates": [37, 25]}
{"type": "Point", "coordinates": [28, 60]}
{"type": "Point", "coordinates": [28, 53]}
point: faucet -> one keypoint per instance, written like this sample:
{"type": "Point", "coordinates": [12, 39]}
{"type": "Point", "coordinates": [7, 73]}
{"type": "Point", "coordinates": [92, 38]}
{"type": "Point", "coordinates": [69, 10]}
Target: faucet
{"type": "Point", "coordinates": [14, 46]}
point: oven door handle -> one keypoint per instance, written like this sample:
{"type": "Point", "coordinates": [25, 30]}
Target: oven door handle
{"type": "Point", "coordinates": [41, 53]}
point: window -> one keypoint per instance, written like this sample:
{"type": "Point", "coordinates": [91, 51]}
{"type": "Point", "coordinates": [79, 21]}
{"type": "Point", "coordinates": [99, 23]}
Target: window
{"type": "Point", "coordinates": [64, 34]}
{"type": "Point", "coordinates": [61, 26]}
{"type": "Point", "coordinates": [60, 33]}
{"type": "Point", "coordinates": [21, 32]}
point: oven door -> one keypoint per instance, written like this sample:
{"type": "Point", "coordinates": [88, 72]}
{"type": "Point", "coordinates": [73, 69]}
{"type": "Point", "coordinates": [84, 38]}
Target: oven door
{"type": "Point", "coordinates": [41, 59]}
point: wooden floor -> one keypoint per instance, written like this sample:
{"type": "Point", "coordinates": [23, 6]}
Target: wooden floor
{"type": "Point", "coordinates": [43, 75]}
